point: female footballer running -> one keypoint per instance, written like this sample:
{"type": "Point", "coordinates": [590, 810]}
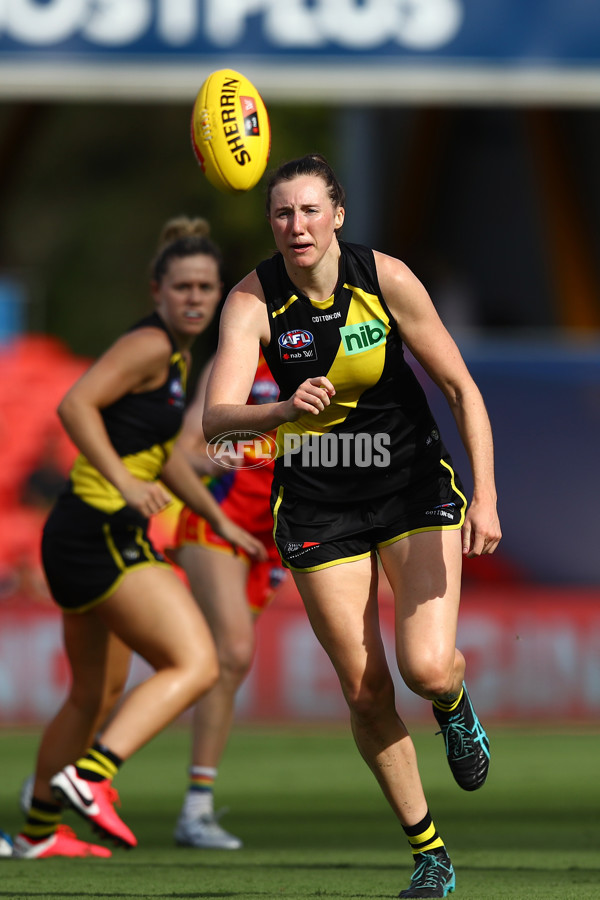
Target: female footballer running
{"type": "Point", "coordinates": [362, 475]}
{"type": "Point", "coordinates": [116, 592]}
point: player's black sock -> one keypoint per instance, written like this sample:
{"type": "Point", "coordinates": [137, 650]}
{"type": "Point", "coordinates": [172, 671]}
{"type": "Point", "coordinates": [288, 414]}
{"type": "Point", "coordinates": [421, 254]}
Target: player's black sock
{"type": "Point", "coordinates": [423, 836]}
{"type": "Point", "coordinates": [42, 820]}
{"type": "Point", "coordinates": [98, 763]}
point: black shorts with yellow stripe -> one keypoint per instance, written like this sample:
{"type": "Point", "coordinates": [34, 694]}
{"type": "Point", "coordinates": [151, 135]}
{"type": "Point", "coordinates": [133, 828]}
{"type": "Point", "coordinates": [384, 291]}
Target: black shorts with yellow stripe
{"type": "Point", "coordinates": [86, 552]}
{"type": "Point", "coordinates": [311, 535]}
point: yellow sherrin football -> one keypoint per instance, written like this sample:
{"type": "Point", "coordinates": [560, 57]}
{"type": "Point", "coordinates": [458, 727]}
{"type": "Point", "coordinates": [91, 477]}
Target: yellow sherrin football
{"type": "Point", "coordinates": [231, 133]}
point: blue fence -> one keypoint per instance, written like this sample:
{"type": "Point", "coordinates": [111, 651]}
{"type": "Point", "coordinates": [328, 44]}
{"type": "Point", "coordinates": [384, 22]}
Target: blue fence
{"type": "Point", "coordinates": [544, 403]}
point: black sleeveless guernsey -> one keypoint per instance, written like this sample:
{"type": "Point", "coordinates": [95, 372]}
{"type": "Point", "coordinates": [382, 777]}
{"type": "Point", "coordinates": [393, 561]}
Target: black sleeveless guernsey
{"type": "Point", "coordinates": [378, 436]}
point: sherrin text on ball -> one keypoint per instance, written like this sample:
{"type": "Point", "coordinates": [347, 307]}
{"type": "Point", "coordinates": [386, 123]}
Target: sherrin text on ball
{"type": "Point", "coordinates": [231, 133]}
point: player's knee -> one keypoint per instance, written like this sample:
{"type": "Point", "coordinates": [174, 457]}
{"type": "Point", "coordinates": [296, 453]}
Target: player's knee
{"type": "Point", "coordinates": [113, 691]}
{"type": "Point", "coordinates": [198, 674]}
{"type": "Point", "coordinates": [87, 699]}
{"type": "Point", "coordinates": [368, 699]}
{"type": "Point", "coordinates": [429, 679]}
{"type": "Point", "coordinates": [235, 660]}
{"type": "Point", "coordinates": [208, 673]}
{"type": "Point", "coordinates": [108, 705]}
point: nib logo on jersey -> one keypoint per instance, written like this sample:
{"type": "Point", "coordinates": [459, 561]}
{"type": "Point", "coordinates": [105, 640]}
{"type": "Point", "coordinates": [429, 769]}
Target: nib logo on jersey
{"type": "Point", "coordinates": [297, 345]}
{"type": "Point", "coordinates": [363, 336]}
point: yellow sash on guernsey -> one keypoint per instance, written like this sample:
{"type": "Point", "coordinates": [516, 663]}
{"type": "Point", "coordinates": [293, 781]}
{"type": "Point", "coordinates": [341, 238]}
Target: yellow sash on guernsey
{"type": "Point", "coordinates": [350, 375]}
{"type": "Point", "coordinates": [96, 490]}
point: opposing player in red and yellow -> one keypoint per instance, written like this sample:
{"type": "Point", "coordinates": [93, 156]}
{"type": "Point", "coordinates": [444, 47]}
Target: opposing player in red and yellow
{"type": "Point", "coordinates": [232, 590]}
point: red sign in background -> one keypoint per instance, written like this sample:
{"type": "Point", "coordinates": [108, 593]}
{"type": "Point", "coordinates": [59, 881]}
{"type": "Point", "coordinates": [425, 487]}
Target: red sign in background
{"type": "Point", "coordinates": [533, 653]}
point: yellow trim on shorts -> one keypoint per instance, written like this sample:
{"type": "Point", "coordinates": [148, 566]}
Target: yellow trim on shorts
{"type": "Point", "coordinates": [144, 545]}
{"type": "Point", "coordinates": [399, 537]}
{"type": "Point", "coordinates": [278, 503]}
{"type": "Point", "coordinates": [116, 584]}
{"type": "Point", "coordinates": [112, 549]}
{"type": "Point", "coordinates": [426, 528]}
{"type": "Point", "coordinates": [454, 488]}
{"type": "Point", "coordinates": [124, 570]}
{"type": "Point", "coordinates": [423, 530]}
{"type": "Point", "coordinates": [328, 565]}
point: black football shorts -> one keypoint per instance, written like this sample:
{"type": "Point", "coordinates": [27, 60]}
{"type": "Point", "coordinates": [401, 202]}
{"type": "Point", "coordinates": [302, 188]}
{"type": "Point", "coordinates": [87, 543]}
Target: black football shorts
{"type": "Point", "coordinates": [86, 553]}
{"type": "Point", "coordinates": [312, 534]}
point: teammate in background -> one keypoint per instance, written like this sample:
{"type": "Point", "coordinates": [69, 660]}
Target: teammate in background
{"type": "Point", "coordinates": [116, 592]}
{"type": "Point", "coordinates": [362, 472]}
{"type": "Point", "coordinates": [232, 590]}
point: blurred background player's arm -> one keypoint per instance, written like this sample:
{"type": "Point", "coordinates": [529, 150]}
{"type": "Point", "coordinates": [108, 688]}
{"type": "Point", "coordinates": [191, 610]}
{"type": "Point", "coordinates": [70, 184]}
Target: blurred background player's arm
{"type": "Point", "coordinates": [191, 441]}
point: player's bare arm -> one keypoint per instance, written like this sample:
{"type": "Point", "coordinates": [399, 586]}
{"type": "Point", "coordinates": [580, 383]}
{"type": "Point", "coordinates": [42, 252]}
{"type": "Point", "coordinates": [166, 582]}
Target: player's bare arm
{"type": "Point", "coordinates": [425, 335]}
{"type": "Point", "coordinates": [179, 476]}
{"type": "Point", "coordinates": [136, 362]}
{"type": "Point", "coordinates": [191, 440]}
{"type": "Point", "coordinates": [244, 325]}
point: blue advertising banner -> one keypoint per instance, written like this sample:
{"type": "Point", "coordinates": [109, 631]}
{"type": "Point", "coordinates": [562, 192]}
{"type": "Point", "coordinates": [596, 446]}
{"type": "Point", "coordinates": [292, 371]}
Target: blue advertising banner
{"type": "Point", "coordinates": [508, 31]}
{"type": "Point", "coordinates": [435, 36]}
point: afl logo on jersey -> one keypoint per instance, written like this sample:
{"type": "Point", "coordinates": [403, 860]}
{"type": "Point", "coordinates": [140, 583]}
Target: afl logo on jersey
{"type": "Point", "coordinates": [264, 390]}
{"type": "Point", "coordinates": [297, 339]}
{"type": "Point", "coordinates": [297, 346]}
{"type": "Point", "coordinates": [176, 394]}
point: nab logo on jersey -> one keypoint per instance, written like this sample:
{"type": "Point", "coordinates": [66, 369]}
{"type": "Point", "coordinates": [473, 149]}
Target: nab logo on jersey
{"type": "Point", "coordinates": [297, 346]}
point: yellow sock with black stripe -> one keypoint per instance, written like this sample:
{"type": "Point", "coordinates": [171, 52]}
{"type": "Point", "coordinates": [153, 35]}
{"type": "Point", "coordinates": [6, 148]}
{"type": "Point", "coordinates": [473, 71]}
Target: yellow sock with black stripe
{"type": "Point", "coordinates": [42, 820]}
{"type": "Point", "coordinates": [423, 836]}
{"type": "Point", "coordinates": [98, 763]}
{"type": "Point", "coordinates": [450, 705]}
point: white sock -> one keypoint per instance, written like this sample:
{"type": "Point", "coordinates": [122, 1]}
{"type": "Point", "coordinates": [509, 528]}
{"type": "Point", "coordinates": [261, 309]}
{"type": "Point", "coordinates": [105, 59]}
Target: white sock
{"type": "Point", "coordinates": [199, 802]}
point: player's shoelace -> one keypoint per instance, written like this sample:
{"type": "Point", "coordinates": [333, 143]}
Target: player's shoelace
{"type": "Point", "coordinates": [112, 796]}
{"type": "Point", "coordinates": [466, 743]}
{"type": "Point", "coordinates": [433, 876]}
{"type": "Point", "coordinates": [458, 738]}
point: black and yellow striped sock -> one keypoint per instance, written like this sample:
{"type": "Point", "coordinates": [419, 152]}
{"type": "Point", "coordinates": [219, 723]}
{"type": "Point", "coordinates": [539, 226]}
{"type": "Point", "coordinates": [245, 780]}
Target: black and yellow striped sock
{"type": "Point", "coordinates": [98, 763]}
{"type": "Point", "coordinates": [423, 836]}
{"type": "Point", "coordinates": [42, 820]}
{"type": "Point", "coordinates": [450, 705]}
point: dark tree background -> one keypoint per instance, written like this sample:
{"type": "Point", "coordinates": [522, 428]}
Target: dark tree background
{"type": "Point", "coordinates": [85, 190]}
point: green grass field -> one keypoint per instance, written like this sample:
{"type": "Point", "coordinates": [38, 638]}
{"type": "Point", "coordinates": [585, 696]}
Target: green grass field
{"type": "Point", "coordinates": [315, 825]}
